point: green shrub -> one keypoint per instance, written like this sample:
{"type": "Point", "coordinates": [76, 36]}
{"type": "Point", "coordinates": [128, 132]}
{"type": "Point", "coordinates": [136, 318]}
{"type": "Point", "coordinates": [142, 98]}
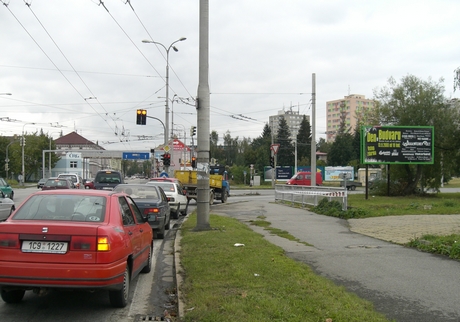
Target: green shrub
{"type": "Point", "coordinates": [334, 209]}
{"type": "Point", "coordinates": [356, 213]}
{"type": "Point", "coordinates": [444, 245]}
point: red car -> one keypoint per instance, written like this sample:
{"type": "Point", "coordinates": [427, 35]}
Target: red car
{"type": "Point", "coordinates": [74, 239]}
{"type": "Point", "coordinates": [89, 184]}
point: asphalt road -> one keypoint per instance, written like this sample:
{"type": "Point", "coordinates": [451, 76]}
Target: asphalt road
{"type": "Point", "coordinates": [151, 294]}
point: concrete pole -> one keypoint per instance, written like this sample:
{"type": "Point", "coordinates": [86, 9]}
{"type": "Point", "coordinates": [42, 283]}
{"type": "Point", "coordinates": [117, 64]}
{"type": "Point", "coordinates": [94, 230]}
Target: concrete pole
{"type": "Point", "coordinates": [313, 130]}
{"type": "Point", "coordinates": [203, 127]}
{"type": "Point", "coordinates": [295, 155]}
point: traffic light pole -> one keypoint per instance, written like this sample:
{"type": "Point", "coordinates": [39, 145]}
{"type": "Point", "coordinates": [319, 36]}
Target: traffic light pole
{"type": "Point", "coordinates": [165, 131]}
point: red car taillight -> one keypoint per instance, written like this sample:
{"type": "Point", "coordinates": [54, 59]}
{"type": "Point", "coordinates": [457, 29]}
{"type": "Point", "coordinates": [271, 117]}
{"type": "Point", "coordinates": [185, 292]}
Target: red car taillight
{"type": "Point", "coordinates": [83, 243]}
{"type": "Point", "coordinates": [100, 244]}
{"type": "Point", "coordinates": [9, 241]}
{"type": "Point", "coordinates": [103, 244]}
{"type": "Point", "coordinates": [148, 211]}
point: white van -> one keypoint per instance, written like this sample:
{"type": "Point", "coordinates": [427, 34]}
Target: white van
{"type": "Point", "coordinates": [75, 178]}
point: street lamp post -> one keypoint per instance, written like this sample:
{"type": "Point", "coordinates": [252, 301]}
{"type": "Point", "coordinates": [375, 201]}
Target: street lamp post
{"type": "Point", "coordinates": [22, 143]}
{"type": "Point", "coordinates": [167, 80]}
{"type": "Point", "coordinates": [49, 159]}
{"type": "Point", "coordinates": [174, 99]}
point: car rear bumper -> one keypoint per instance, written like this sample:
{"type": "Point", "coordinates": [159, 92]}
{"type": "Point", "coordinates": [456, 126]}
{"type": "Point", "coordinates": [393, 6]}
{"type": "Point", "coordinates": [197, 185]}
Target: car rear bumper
{"type": "Point", "coordinates": [106, 276]}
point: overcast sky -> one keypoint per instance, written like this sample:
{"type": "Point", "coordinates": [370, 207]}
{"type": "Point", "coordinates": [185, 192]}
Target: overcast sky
{"type": "Point", "coordinates": [79, 65]}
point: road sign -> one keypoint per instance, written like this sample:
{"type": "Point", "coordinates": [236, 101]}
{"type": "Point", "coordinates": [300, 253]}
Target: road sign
{"type": "Point", "coordinates": [166, 148]}
{"type": "Point", "coordinates": [136, 156]}
{"type": "Point", "coordinates": [274, 148]}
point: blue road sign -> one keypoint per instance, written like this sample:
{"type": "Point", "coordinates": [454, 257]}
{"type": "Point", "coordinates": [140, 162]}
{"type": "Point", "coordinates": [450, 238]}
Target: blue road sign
{"type": "Point", "coordinates": [136, 156]}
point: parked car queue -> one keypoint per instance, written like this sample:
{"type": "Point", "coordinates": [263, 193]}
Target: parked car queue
{"type": "Point", "coordinates": [163, 198]}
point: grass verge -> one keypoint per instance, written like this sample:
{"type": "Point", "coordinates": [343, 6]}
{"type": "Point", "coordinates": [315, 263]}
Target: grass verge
{"type": "Point", "coordinates": [275, 231]}
{"type": "Point", "coordinates": [443, 245]}
{"type": "Point", "coordinates": [256, 282]}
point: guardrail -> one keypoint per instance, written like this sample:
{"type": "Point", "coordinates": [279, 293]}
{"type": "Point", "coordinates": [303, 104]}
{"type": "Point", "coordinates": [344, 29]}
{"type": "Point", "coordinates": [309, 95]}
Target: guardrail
{"type": "Point", "coordinates": [310, 195]}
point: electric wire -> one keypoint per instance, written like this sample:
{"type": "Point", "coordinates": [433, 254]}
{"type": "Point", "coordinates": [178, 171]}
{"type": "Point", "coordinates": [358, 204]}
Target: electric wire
{"type": "Point", "coordinates": [143, 26]}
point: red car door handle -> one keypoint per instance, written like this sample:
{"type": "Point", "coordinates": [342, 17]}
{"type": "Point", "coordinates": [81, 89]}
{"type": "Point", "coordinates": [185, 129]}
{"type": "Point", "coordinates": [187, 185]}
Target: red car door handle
{"type": "Point", "coordinates": [130, 232]}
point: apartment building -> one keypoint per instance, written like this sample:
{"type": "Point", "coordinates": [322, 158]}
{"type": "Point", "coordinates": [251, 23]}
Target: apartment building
{"type": "Point", "coordinates": [293, 120]}
{"type": "Point", "coordinates": [348, 111]}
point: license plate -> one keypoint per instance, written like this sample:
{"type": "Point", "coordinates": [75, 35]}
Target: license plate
{"type": "Point", "coordinates": [107, 188]}
{"type": "Point", "coordinates": [33, 246]}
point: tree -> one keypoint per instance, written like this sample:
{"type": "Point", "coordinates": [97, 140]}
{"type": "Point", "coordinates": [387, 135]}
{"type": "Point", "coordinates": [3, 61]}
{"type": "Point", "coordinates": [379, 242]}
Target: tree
{"type": "Point", "coordinates": [457, 79]}
{"type": "Point", "coordinates": [285, 155]}
{"type": "Point", "coordinates": [341, 152]}
{"type": "Point", "coordinates": [323, 146]}
{"type": "Point", "coordinates": [213, 141]}
{"type": "Point", "coordinates": [260, 152]}
{"type": "Point", "coordinates": [304, 142]}
{"type": "Point", "coordinates": [414, 102]}
{"type": "Point", "coordinates": [230, 149]}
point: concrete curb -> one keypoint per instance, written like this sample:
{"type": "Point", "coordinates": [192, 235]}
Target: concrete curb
{"type": "Point", "coordinates": [178, 268]}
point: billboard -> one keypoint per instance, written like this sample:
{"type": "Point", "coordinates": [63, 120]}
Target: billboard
{"type": "Point", "coordinates": [335, 173]}
{"type": "Point", "coordinates": [397, 144]}
{"type": "Point", "coordinates": [282, 173]}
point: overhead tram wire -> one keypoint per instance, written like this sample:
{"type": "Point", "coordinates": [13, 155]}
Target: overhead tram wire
{"type": "Point", "coordinates": [255, 93]}
{"type": "Point", "coordinates": [43, 51]}
{"type": "Point", "coordinates": [70, 64]}
{"type": "Point", "coordinates": [81, 71]}
{"type": "Point", "coordinates": [143, 26]}
{"type": "Point", "coordinates": [126, 34]}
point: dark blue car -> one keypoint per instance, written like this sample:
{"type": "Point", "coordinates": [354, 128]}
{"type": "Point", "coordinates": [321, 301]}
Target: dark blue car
{"type": "Point", "coordinates": [152, 202]}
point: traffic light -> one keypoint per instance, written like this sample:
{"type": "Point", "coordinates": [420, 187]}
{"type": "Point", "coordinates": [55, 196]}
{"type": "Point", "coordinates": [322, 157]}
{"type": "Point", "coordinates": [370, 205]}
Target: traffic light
{"type": "Point", "coordinates": [193, 131]}
{"type": "Point", "coordinates": [272, 161]}
{"type": "Point", "coordinates": [193, 162]}
{"type": "Point", "coordinates": [167, 159]}
{"type": "Point", "coordinates": [141, 117]}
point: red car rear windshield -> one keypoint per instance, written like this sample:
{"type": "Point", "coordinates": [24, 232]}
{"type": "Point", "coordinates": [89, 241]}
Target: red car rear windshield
{"type": "Point", "coordinates": [62, 208]}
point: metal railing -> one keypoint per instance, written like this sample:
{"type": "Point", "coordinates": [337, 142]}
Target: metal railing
{"type": "Point", "coordinates": [310, 195]}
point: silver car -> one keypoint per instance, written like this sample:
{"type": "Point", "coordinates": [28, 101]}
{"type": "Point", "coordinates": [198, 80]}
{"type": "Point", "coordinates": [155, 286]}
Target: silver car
{"type": "Point", "coordinates": [6, 207]}
{"type": "Point", "coordinates": [176, 196]}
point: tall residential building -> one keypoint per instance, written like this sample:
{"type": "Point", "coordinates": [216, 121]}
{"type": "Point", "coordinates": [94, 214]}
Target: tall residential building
{"type": "Point", "coordinates": [293, 120]}
{"type": "Point", "coordinates": [347, 111]}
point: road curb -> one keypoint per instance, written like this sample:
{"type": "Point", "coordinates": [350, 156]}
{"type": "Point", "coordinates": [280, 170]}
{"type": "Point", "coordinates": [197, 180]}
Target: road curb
{"type": "Point", "coordinates": [178, 268]}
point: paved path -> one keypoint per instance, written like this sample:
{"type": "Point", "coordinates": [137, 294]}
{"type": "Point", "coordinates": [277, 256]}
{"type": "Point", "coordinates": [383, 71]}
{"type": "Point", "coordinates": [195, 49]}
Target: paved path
{"type": "Point", "coordinates": [402, 229]}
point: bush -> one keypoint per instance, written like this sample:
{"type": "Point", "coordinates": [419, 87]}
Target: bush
{"type": "Point", "coordinates": [329, 208]}
{"type": "Point", "coordinates": [379, 188]}
{"type": "Point", "coordinates": [334, 209]}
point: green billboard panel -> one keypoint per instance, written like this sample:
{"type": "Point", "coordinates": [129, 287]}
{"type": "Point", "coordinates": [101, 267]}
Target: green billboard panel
{"type": "Point", "coordinates": [397, 144]}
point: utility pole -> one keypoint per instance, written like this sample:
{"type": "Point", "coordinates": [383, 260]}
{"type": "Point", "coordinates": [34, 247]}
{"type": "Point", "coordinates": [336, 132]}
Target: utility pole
{"type": "Point", "coordinates": [313, 130]}
{"type": "Point", "coordinates": [203, 105]}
